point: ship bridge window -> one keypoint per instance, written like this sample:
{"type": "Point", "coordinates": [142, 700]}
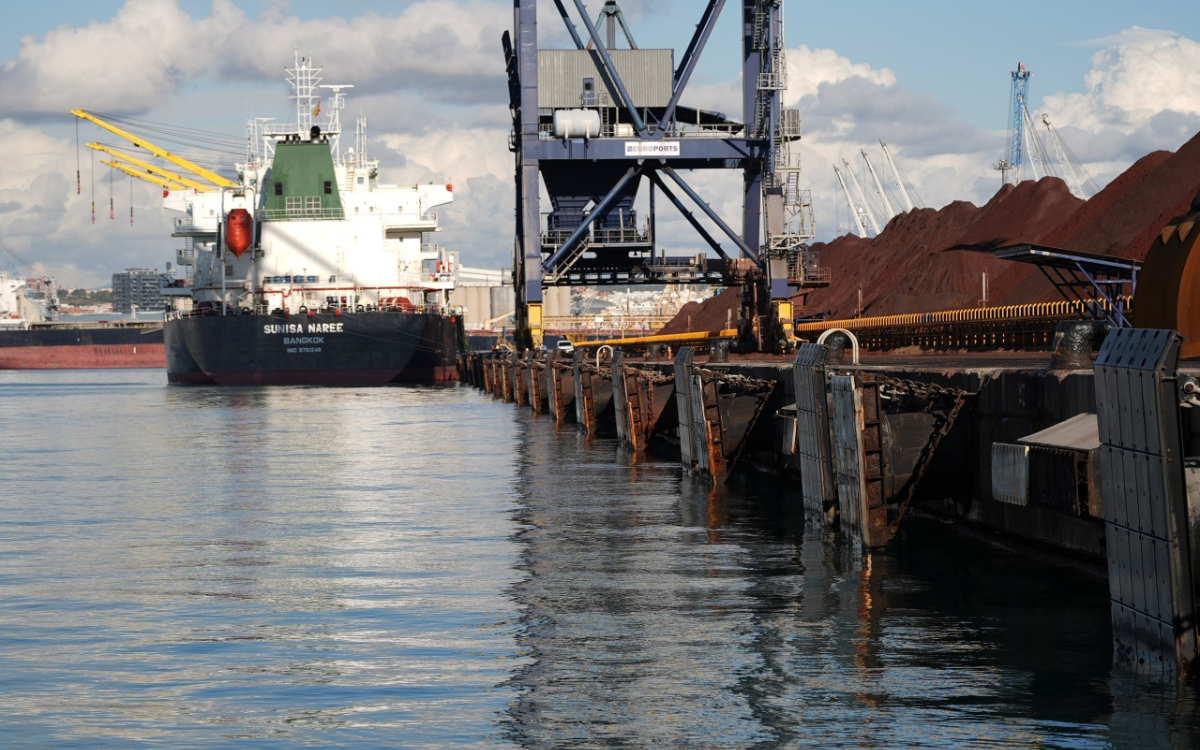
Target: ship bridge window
{"type": "Point", "coordinates": [360, 180]}
{"type": "Point", "coordinates": [328, 187]}
{"type": "Point", "coordinates": [312, 204]}
{"type": "Point", "coordinates": [278, 188]}
{"type": "Point", "coordinates": [293, 204]}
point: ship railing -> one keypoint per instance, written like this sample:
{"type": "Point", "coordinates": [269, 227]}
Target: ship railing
{"type": "Point", "coordinates": [282, 214]}
{"type": "Point", "coordinates": [444, 311]}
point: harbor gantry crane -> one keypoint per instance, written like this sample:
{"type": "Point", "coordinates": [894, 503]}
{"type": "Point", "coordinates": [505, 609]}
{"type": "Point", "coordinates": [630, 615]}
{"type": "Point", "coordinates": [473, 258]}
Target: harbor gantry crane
{"type": "Point", "coordinates": [593, 124]}
{"type": "Point", "coordinates": [1069, 167]}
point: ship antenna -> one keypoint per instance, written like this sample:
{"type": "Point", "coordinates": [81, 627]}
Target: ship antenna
{"type": "Point", "coordinates": [305, 79]}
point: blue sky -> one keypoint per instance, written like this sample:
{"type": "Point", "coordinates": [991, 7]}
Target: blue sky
{"type": "Point", "coordinates": [931, 78]}
{"type": "Point", "coordinates": [958, 52]}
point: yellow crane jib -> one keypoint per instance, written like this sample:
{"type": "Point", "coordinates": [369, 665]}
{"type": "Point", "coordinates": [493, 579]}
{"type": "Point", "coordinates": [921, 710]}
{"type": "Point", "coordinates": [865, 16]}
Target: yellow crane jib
{"type": "Point", "coordinates": [142, 175]}
{"type": "Point", "coordinates": [178, 161]}
{"type": "Point", "coordinates": [151, 169]}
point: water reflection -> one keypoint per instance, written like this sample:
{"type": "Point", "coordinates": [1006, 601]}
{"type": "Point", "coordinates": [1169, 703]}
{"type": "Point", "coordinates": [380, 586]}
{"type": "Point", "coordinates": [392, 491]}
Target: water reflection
{"type": "Point", "coordinates": [232, 567]}
{"type": "Point", "coordinates": [660, 611]}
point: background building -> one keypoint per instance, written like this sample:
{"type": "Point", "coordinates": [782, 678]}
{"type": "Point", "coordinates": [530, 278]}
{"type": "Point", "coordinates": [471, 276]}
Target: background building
{"type": "Point", "coordinates": [138, 286]}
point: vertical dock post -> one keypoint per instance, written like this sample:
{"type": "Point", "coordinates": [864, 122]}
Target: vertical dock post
{"type": "Point", "coordinates": [646, 395]}
{"type": "Point", "coordinates": [1150, 574]}
{"type": "Point", "coordinates": [577, 376]}
{"type": "Point", "coordinates": [858, 454]}
{"type": "Point", "coordinates": [620, 397]}
{"type": "Point", "coordinates": [506, 378]}
{"type": "Point", "coordinates": [818, 490]}
{"type": "Point", "coordinates": [489, 375]}
{"type": "Point", "coordinates": [683, 401]}
{"type": "Point", "coordinates": [537, 385]}
{"type": "Point", "coordinates": [561, 387]}
{"type": "Point", "coordinates": [593, 393]}
{"type": "Point", "coordinates": [708, 432]}
{"type": "Point", "coordinates": [521, 379]}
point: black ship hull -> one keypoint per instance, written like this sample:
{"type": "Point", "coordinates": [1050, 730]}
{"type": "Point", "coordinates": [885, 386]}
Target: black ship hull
{"type": "Point", "coordinates": [361, 348]}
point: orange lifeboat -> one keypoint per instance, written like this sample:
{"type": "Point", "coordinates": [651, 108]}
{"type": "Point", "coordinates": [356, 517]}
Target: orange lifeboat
{"type": "Point", "coordinates": [239, 228]}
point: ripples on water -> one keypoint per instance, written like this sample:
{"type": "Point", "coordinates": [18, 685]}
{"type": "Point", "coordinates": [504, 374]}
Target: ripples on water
{"type": "Point", "coordinates": [301, 567]}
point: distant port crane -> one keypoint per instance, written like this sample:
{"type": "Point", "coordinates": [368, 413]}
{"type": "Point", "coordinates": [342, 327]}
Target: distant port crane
{"type": "Point", "coordinates": [1023, 143]}
{"type": "Point", "coordinates": [1070, 169]}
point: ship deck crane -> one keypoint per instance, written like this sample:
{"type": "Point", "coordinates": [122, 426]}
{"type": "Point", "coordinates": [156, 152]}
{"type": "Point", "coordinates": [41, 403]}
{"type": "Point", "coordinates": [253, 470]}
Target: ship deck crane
{"type": "Point", "coordinates": [178, 161]}
{"type": "Point", "coordinates": [163, 177]}
{"type": "Point", "coordinates": [153, 179]}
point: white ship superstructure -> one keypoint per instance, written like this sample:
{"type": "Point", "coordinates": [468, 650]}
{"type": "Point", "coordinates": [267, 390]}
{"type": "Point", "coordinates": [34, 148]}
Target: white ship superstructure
{"type": "Point", "coordinates": [320, 231]}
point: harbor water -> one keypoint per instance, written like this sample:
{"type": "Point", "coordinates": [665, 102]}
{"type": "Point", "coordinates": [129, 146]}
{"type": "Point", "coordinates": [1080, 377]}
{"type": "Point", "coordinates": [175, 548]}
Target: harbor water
{"type": "Point", "coordinates": [427, 568]}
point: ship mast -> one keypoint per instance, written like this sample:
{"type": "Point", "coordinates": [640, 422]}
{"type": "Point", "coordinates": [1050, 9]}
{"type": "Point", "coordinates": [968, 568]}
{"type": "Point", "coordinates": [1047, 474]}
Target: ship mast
{"type": "Point", "coordinates": [305, 80]}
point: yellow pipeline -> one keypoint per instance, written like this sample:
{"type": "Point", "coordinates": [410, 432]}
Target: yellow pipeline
{"type": "Point", "coordinates": [966, 315]}
{"type": "Point", "coordinates": [665, 338]}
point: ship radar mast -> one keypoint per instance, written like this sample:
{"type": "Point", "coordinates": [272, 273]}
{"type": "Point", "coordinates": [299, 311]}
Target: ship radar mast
{"type": "Point", "coordinates": [305, 80]}
{"type": "Point", "coordinates": [333, 128]}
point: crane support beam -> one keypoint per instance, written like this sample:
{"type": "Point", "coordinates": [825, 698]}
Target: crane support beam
{"type": "Point", "coordinates": [178, 161]}
{"type": "Point", "coordinates": [694, 50]}
{"type": "Point", "coordinates": [694, 153]}
{"type": "Point", "coordinates": [704, 233]}
{"type": "Point", "coordinates": [566, 17]}
{"type": "Point", "coordinates": [611, 70]}
{"type": "Point", "coordinates": [150, 168]}
{"type": "Point", "coordinates": [737, 240]}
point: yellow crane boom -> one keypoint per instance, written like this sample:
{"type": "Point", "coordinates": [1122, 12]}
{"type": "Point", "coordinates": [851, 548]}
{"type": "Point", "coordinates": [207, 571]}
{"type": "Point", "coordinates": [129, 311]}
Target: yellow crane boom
{"type": "Point", "coordinates": [158, 171]}
{"type": "Point", "coordinates": [134, 172]}
{"type": "Point", "coordinates": [178, 161]}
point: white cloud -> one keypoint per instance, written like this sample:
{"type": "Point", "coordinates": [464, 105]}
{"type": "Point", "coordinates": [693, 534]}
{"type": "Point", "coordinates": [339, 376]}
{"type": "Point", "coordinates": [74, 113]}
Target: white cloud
{"type": "Point", "coordinates": [1141, 73]}
{"type": "Point", "coordinates": [152, 49]}
{"type": "Point", "coordinates": [809, 69]}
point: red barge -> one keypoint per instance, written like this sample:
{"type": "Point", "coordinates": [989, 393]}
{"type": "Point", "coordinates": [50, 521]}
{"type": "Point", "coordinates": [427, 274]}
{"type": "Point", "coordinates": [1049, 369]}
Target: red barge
{"type": "Point", "coordinates": [76, 346]}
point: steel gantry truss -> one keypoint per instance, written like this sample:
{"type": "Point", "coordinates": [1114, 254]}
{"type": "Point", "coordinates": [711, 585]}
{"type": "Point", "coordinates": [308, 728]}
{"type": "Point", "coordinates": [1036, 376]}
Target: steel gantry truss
{"type": "Point", "coordinates": [594, 123]}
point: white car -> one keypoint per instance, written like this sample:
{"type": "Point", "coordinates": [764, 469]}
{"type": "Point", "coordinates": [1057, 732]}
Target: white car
{"type": "Point", "coordinates": [565, 346]}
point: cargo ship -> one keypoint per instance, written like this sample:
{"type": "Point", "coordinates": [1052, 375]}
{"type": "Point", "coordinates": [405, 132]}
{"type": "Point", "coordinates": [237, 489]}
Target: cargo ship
{"type": "Point", "coordinates": [306, 269]}
{"type": "Point", "coordinates": [33, 337]}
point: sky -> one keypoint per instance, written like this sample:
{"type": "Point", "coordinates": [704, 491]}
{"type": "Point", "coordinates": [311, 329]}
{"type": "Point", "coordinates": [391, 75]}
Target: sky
{"type": "Point", "coordinates": [931, 78]}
